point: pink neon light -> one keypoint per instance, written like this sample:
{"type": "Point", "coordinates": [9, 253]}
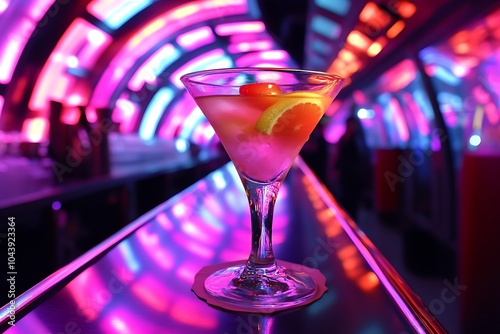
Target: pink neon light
{"type": "Point", "coordinates": [83, 287]}
{"type": "Point", "coordinates": [159, 29]}
{"type": "Point", "coordinates": [187, 272]}
{"type": "Point", "coordinates": [196, 38]}
{"type": "Point", "coordinates": [74, 49]}
{"type": "Point", "coordinates": [399, 120]}
{"type": "Point", "coordinates": [150, 241]}
{"type": "Point", "coordinates": [125, 114]}
{"type": "Point", "coordinates": [17, 25]}
{"type": "Point", "coordinates": [209, 58]}
{"type": "Point", "coordinates": [147, 239]}
{"type": "Point", "coordinates": [125, 321]}
{"type": "Point", "coordinates": [228, 255]}
{"type": "Point", "coordinates": [256, 59]}
{"type": "Point", "coordinates": [70, 115]}
{"type": "Point", "coordinates": [179, 209]}
{"type": "Point", "coordinates": [176, 117]}
{"type": "Point", "coordinates": [250, 46]}
{"type": "Point", "coordinates": [94, 44]}
{"type": "Point", "coordinates": [9, 58]}
{"type": "Point", "coordinates": [91, 114]}
{"type": "Point", "coordinates": [3, 5]}
{"type": "Point", "coordinates": [239, 28]}
{"type": "Point", "coordinates": [201, 231]}
{"type": "Point", "coordinates": [198, 315]}
{"type": "Point", "coordinates": [274, 55]}
{"type": "Point", "coordinates": [422, 122]}
{"type": "Point", "coordinates": [100, 8]}
{"type": "Point", "coordinates": [145, 73]}
{"type": "Point", "coordinates": [153, 293]}
{"type": "Point", "coordinates": [164, 221]}
{"type": "Point", "coordinates": [75, 99]}
{"type": "Point", "coordinates": [491, 112]}
{"type": "Point", "coordinates": [192, 246]}
{"type": "Point", "coordinates": [202, 134]}
{"type": "Point", "coordinates": [35, 129]}
{"type": "Point", "coordinates": [1, 104]}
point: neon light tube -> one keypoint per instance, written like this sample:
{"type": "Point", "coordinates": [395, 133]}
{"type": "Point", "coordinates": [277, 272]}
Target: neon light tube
{"type": "Point", "coordinates": [153, 113]}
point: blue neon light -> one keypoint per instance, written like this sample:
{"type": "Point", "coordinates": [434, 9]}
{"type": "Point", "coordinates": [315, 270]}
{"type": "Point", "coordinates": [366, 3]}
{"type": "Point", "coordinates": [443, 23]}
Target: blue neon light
{"type": "Point", "coordinates": [153, 113]}
{"type": "Point", "coordinates": [125, 12]}
{"type": "Point", "coordinates": [339, 7]}
{"type": "Point", "coordinates": [326, 27]}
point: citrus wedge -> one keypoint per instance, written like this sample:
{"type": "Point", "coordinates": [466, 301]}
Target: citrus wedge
{"type": "Point", "coordinates": [297, 112]}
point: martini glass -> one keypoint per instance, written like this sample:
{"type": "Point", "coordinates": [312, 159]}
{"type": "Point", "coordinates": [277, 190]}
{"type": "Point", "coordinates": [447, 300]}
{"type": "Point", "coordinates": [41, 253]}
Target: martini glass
{"type": "Point", "coordinates": [263, 117]}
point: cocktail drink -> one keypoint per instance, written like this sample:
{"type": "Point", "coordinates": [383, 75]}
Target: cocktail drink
{"type": "Point", "coordinates": [262, 117]}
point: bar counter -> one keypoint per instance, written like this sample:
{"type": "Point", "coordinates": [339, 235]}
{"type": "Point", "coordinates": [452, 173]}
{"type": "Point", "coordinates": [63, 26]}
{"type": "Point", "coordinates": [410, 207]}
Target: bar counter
{"type": "Point", "coordinates": [139, 279]}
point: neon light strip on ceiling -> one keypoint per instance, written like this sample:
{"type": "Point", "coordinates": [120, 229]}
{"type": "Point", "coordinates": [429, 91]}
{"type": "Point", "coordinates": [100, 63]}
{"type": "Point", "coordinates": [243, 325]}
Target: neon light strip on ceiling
{"type": "Point", "coordinates": [161, 28]}
{"type": "Point", "coordinates": [18, 24]}
{"type": "Point", "coordinates": [196, 38]}
{"type": "Point", "coordinates": [80, 46]}
{"type": "Point", "coordinates": [216, 58]}
{"type": "Point", "coordinates": [226, 29]}
{"type": "Point", "coordinates": [176, 115]}
{"type": "Point", "coordinates": [3, 5]}
{"type": "Point", "coordinates": [115, 13]}
{"type": "Point", "coordinates": [154, 66]}
{"type": "Point", "coordinates": [154, 112]}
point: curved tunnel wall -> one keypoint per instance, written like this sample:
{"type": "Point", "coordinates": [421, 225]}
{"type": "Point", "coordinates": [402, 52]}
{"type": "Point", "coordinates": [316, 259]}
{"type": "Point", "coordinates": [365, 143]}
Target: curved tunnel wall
{"type": "Point", "coordinates": [123, 55]}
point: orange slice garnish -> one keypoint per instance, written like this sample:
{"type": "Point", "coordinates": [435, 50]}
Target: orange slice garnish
{"type": "Point", "coordinates": [296, 113]}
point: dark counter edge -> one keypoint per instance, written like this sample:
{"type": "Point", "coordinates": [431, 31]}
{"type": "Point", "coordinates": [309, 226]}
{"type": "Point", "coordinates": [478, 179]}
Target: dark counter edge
{"type": "Point", "coordinates": [409, 304]}
{"type": "Point", "coordinates": [118, 176]}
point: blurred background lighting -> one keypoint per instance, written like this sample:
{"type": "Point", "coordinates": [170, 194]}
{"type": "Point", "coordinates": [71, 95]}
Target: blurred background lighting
{"type": "Point", "coordinates": [153, 113]}
{"type": "Point", "coordinates": [115, 13]}
{"type": "Point", "coordinates": [339, 7]}
{"type": "Point", "coordinates": [475, 140]}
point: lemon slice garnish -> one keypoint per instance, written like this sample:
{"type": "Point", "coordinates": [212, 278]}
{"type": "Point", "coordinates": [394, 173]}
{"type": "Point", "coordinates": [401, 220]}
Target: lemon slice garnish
{"type": "Point", "coordinates": [303, 103]}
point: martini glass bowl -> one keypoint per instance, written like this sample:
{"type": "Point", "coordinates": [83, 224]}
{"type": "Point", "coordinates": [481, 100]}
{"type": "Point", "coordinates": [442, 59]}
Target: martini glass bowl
{"type": "Point", "coordinates": [263, 117]}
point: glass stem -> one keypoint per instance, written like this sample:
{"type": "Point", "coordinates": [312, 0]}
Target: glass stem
{"type": "Point", "coordinates": [262, 198]}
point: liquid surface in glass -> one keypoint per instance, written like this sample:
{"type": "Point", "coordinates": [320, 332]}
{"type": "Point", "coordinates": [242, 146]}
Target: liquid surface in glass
{"type": "Point", "coordinates": [263, 153]}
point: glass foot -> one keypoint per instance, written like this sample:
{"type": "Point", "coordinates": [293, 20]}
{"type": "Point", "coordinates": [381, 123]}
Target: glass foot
{"type": "Point", "coordinates": [281, 287]}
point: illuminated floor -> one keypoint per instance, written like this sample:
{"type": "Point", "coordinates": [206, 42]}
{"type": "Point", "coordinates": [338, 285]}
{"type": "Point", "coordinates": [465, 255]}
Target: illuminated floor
{"type": "Point", "coordinates": [390, 242]}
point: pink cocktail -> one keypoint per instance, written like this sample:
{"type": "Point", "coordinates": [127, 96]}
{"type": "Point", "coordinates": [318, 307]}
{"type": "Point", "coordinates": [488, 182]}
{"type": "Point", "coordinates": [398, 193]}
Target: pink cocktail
{"type": "Point", "coordinates": [262, 117]}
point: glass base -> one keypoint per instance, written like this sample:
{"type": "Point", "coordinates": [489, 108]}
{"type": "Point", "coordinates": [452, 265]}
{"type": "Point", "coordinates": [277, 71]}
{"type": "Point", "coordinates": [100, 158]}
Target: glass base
{"type": "Point", "coordinates": [281, 287]}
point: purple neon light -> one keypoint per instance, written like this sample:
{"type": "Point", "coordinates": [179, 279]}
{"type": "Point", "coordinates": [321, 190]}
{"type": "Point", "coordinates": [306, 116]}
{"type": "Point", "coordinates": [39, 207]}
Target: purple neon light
{"type": "Point", "coordinates": [156, 63]}
{"type": "Point", "coordinates": [213, 59]}
{"type": "Point", "coordinates": [81, 46]}
{"type": "Point", "coordinates": [18, 23]}
{"type": "Point", "coordinates": [247, 46]}
{"type": "Point", "coordinates": [176, 116]}
{"type": "Point", "coordinates": [259, 59]}
{"type": "Point", "coordinates": [196, 38]}
{"type": "Point", "coordinates": [3, 5]}
{"type": "Point", "coordinates": [226, 29]}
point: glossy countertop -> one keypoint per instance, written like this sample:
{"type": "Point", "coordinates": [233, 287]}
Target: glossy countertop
{"type": "Point", "coordinates": [139, 280]}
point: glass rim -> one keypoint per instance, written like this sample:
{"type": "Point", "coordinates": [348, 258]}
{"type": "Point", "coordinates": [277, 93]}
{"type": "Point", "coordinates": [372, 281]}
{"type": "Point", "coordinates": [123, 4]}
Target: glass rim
{"type": "Point", "coordinates": [190, 76]}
